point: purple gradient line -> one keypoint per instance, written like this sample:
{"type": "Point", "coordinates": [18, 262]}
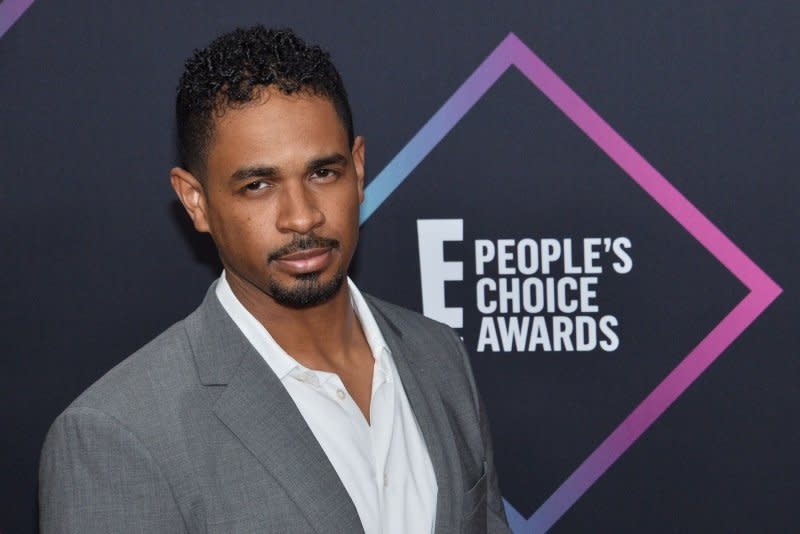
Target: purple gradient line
{"type": "Point", "coordinates": [647, 412]}
{"type": "Point", "coordinates": [10, 12]}
{"type": "Point", "coordinates": [763, 290]}
{"type": "Point", "coordinates": [632, 163]}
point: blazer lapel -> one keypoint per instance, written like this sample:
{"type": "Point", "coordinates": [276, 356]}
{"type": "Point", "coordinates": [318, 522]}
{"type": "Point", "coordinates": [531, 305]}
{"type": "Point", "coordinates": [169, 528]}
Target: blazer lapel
{"type": "Point", "coordinates": [426, 404]}
{"type": "Point", "coordinates": [256, 408]}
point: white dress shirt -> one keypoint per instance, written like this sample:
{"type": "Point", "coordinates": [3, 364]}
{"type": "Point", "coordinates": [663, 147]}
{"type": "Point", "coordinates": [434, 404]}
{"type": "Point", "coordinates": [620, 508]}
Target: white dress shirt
{"type": "Point", "coordinates": [384, 466]}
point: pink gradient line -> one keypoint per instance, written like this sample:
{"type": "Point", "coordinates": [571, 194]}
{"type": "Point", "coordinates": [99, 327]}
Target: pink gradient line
{"type": "Point", "coordinates": [633, 164]}
{"type": "Point", "coordinates": [763, 290]}
{"type": "Point", "coordinates": [10, 12]}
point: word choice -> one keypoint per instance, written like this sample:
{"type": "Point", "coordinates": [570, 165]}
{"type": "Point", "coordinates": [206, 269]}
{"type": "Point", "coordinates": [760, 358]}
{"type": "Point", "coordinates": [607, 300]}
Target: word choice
{"type": "Point", "coordinates": [534, 295]}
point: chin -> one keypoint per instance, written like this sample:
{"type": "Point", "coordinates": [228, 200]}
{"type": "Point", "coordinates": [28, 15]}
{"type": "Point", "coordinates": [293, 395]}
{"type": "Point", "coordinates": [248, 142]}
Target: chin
{"type": "Point", "coordinates": [307, 291]}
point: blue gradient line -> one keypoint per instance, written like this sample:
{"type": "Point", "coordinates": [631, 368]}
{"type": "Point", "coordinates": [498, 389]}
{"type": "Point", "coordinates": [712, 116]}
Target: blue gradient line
{"type": "Point", "coordinates": [434, 130]}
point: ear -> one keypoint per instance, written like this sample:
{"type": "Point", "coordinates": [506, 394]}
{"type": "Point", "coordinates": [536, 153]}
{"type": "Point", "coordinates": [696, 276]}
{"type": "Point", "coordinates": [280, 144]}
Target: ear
{"type": "Point", "coordinates": [192, 195]}
{"type": "Point", "coordinates": [358, 161]}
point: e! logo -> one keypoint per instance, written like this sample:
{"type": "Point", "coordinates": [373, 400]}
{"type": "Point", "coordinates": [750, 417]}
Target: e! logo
{"type": "Point", "coordinates": [434, 271]}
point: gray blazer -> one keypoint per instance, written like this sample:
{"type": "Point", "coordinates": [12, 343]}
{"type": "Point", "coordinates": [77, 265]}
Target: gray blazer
{"type": "Point", "coordinates": [195, 433]}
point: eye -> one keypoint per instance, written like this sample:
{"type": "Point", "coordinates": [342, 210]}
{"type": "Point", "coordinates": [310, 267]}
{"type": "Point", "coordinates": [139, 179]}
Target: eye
{"type": "Point", "coordinates": [256, 186]}
{"type": "Point", "coordinates": [324, 175]}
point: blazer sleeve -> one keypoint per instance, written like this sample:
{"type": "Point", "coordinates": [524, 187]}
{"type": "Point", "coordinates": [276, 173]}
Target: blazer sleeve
{"type": "Point", "coordinates": [496, 521]}
{"type": "Point", "coordinates": [96, 476]}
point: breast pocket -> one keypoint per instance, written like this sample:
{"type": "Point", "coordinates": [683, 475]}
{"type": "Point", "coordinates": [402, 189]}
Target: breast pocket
{"type": "Point", "coordinates": [474, 507]}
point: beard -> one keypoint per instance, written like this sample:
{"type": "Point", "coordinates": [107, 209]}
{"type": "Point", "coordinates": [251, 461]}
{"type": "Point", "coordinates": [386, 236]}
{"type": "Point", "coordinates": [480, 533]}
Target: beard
{"type": "Point", "coordinates": [308, 290]}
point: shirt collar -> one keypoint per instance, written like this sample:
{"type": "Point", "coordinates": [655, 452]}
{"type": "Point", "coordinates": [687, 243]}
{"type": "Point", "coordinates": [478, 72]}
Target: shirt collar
{"type": "Point", "coordinates": [368, 324]}
{"type": "Point", "coordinates": [377, 344]}
{"type": "Point", "coordinates": [278, 359]}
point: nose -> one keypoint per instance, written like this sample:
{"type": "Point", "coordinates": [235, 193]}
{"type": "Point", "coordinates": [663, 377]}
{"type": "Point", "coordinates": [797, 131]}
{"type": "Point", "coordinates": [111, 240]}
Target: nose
{"type": "Point", "coordinates": [298, 211]}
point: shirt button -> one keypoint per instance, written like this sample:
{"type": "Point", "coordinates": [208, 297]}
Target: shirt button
{"type": "Point", "coordinates": [340, 394]}
{"type": "Point", "coordinates": [385, 480]}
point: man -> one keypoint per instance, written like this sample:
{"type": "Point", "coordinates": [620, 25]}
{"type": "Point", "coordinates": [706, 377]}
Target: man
{"type": "Point", "coordinates": [288, 401]}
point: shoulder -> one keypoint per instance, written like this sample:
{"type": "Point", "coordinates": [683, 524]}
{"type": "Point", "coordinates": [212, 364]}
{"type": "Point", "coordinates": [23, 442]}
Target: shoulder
{"type": "Point", "coordinates": [158, 365]}
{"type": "Point", "coordinates": [145, 390]}
{"type": "Point", "coordinates": [139, 405]}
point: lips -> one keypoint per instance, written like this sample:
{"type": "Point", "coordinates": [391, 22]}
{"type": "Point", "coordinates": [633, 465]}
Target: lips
{"type": "Point", "coordinates": [305, 261]}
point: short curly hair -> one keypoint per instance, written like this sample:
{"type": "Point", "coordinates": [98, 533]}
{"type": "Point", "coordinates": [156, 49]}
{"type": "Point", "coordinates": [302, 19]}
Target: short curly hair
{"type": "Point", "coordinates": [230, 72]}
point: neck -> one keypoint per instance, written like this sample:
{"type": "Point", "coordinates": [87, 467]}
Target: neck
{"type": "Point", "coordinates": [318, 337]}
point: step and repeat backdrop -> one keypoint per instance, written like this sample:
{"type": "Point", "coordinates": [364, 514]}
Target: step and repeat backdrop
{"type": "Point", "coordinates": [601, 198]}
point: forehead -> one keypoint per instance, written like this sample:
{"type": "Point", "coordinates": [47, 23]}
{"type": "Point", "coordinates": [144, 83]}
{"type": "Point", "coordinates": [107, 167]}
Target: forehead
{"type": "Point", "coordinates": [276, 128]}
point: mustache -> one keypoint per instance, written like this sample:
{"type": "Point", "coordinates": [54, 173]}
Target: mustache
{"type": "Point", "coordinates": [303, 242]}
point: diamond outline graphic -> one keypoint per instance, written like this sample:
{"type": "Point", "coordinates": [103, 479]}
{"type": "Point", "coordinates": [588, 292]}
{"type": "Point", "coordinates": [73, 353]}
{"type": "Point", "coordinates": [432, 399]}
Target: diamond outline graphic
{"type": "Point", "coordinates": [10, 12]}
{"type": "Point", "coordinates": [763, 290]}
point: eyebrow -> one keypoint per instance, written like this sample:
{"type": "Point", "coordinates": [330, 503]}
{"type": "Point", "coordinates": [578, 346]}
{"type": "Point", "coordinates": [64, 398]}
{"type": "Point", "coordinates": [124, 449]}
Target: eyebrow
{"type": "Point", "coordinates": [266, 171]}
{"type": "Point", "coordinates": [256, 171]}
{"type": "Point", "coordinates": [333, 159]}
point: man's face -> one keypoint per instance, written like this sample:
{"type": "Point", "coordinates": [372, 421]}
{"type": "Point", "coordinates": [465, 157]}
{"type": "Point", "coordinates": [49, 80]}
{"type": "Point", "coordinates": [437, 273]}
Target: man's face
{"type": "Point", "coordinates": [281, 197]}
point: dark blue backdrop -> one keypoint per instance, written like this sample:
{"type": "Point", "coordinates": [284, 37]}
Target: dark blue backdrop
{"type": "Point", "coordinates": [98, 258]}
